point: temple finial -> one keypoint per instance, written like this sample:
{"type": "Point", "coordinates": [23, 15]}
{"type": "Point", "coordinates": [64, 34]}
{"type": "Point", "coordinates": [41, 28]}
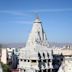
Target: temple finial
{"type": "Point", "coordinates": [37, 18]}
{"type": "Point", "coordinates": [36, 15]}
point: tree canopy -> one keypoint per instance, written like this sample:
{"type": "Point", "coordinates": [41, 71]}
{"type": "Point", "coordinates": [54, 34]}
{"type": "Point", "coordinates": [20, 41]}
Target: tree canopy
{"type": "Point", "coordinates": [5, 67]}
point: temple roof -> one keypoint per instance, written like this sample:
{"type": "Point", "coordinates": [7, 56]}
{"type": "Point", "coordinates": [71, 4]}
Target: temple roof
{"type": "Point", "coordinates": [37, 35]}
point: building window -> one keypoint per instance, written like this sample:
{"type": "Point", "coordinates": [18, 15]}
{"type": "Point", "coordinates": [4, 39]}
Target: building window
{"type": "Point", "coordinates": [24, 60]}
{"type": "Point", "coordinates": [24, 70]}
{"type": "Point", "coordinates": [33, 61]}
{"type": "Point", "coordinates": [39, 55]}
{"type": "Point", "coordinates": [28, 61]}
{"type": "Point", "coordinates": [21, 60]}
{"type": "Point", "coordinates": [43, 55]}
{"type": "Point", "coordinates": [49, 60]}
{"type": "Point", "coordinates": [44, 60]}
{"type": "Point", "coordinates": [39, 60]}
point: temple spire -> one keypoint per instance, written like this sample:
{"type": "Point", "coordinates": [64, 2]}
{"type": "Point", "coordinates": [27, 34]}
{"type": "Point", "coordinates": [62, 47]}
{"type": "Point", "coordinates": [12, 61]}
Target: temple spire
{"type": "Point", "coordinates": [37, 34]}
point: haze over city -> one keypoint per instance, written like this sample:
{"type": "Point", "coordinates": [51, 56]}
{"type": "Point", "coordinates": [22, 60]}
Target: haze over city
{"type": "Point", "coordinates": [17, 16]}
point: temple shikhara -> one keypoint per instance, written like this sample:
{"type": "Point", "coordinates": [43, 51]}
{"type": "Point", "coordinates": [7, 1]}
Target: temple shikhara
{"type": "Point", "coordinates": [38, 56]}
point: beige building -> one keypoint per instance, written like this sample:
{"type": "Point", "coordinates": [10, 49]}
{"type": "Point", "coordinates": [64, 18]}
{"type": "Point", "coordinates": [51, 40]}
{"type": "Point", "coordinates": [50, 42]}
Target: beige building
{"type": "Point", "coordinates": [4, 55]}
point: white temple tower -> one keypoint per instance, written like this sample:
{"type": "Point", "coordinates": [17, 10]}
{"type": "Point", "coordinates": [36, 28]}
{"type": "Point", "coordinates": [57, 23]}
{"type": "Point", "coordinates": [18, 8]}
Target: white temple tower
{"type": "Point", "coordinates": [37, 34]}
{"type": "Point", "coordinates": [36, 56]}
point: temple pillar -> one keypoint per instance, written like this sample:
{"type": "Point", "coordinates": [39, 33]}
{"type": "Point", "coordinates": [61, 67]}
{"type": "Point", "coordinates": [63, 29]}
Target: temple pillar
{"type": "Point", "coordinates": [41, 70]}
{"type": "Point", "coordinates": [19, 70]}
{"type": "Point", "coordinates": [50, 70]}
{"type": "Point", "coordinates": [46, 70]}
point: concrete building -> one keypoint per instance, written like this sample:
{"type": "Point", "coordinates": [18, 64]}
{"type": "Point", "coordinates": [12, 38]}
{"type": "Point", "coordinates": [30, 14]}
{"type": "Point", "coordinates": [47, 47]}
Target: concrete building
{"type": "Point", "coordinates": [13, 54]}
{"type": "Point", "coordinates": [10, 51]}
{"type": "Point", "coordinates": [4, 55]}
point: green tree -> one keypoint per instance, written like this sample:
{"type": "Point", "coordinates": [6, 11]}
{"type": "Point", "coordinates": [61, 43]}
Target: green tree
{"type": "Point", "coordinates": [5, 67]}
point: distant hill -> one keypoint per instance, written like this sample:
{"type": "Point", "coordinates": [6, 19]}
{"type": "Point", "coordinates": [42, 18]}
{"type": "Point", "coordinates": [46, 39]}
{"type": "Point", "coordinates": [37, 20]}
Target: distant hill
{"type": "Point", "coordinates": [51, 44]}
{"type": "Point", "coordinates": [13, 45]}
{"type": "Point", "coordinates": [19, 45]}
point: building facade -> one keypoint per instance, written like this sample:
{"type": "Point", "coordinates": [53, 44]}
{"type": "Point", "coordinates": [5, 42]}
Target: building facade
{"type": "Point", "coordinates": [37, 56]}
{"type": "Point", "coordinates": [4, 55]}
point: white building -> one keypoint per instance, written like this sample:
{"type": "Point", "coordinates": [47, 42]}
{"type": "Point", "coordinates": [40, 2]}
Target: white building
{"type": "Point", "coordinates": [66, 65]}
{"type": "Point", "coordinates": [37, 56]}
{"type": "Point", "coordinates": [4, 55]}
{"type": "Point", "coordinates": [11, 50]}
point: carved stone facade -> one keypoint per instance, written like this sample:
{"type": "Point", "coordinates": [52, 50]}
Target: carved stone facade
{"type": "Point", "coordinates": [38, 57]}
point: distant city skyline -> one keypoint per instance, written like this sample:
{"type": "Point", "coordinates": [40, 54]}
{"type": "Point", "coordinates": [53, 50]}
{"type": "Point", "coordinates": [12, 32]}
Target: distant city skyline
{"type": "Point", "coordinates": [17, 17]}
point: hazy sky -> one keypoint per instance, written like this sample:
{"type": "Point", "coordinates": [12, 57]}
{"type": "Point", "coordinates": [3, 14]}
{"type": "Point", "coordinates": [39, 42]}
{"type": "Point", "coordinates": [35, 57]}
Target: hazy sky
{"type": "Point", "coordinates": [17, 16]}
